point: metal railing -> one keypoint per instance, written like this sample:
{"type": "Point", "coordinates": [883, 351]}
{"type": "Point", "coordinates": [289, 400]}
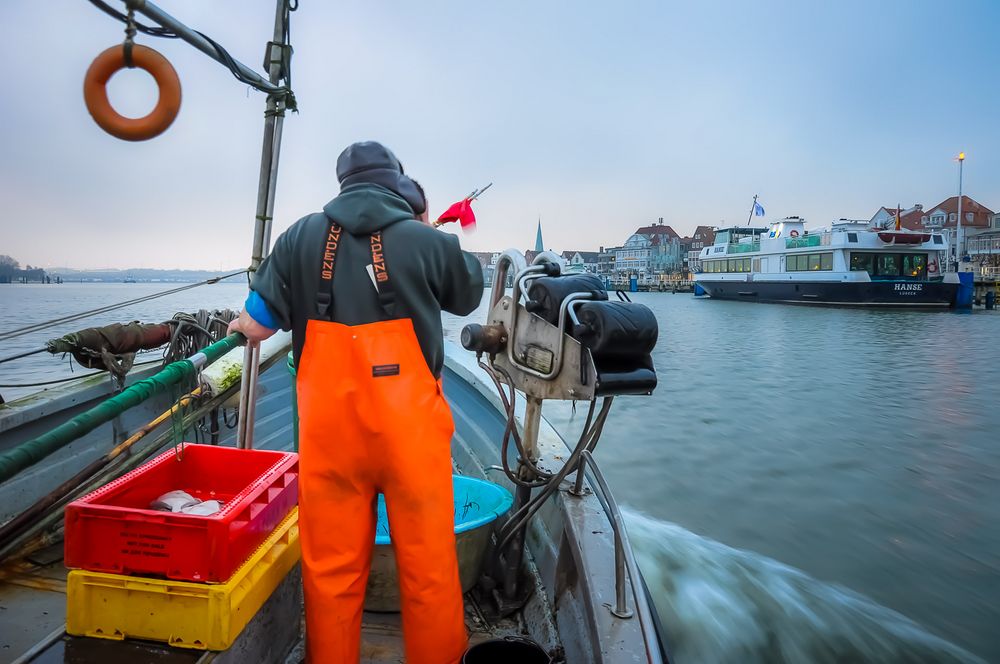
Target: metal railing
{"type": "Point", "coordinates": [990, 272]}
{"type": "Point", "coordinates": [983, 245]}
{"type": "Point", "coordinates": [624, 557]}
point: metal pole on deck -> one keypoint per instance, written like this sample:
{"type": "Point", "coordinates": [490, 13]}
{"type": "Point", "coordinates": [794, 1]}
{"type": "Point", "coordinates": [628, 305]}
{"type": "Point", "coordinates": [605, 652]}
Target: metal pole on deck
{"type": "Point", "coordinates": [270, 153]}
{"type": "Point", "coordinates": [515, 551]}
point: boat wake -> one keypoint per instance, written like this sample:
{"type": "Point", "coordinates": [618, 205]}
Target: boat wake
{"type": "Point", "coordinates": [719, 604]}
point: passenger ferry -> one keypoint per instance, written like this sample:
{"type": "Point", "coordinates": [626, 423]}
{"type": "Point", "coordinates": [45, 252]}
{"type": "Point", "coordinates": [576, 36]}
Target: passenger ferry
{"type": "Point", "coordinates": [851, 263]}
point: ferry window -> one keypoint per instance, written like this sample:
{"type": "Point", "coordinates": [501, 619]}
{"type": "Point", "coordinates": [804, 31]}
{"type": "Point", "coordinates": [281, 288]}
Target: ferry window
{"type": "Point", "coordinates": [826, 262]}
{"type": "Point", "coordinates": [756, 265]}
{"type": "Point", "coordinates": [939, 240]}
{"type": "Point", "coordinates": [915, 265]}
{"type": "Point", "coordinates": [852, 237]}
{"type": "Point", "coordinates": [746, 264]}
{"type": "Point", "coordinates": [814, 262]}
{"type": "Point", "coordinates": [792, 262]}
{"type": "Point", "coordinates": [887, 265]}
{"type": "Point", "coordinates": [863, 263]}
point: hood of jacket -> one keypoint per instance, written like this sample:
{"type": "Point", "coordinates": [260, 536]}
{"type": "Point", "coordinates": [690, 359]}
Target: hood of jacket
{"type": "Point", "coordinates": [362, 209]}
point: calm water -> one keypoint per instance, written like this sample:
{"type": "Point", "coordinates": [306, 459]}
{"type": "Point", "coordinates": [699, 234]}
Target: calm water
{"type": "Point", "coordinates": [800, 478]}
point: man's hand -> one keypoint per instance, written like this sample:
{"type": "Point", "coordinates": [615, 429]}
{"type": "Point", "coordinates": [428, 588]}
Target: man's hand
{"type": "Point", "coordinates": [251, 329]}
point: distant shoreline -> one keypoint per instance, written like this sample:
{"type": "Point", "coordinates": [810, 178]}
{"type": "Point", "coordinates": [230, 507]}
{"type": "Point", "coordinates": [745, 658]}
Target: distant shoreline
{"type": "Point", "coordinates": [135, 275]}
{"type": "Point", "coordinates": [77, 280]}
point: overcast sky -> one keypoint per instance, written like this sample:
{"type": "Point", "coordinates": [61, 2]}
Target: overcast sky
{"type": "Point", "coordinates": [597, 116]}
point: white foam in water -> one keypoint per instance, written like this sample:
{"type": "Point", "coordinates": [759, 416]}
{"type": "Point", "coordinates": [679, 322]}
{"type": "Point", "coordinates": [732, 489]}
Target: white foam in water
{"type": "Point", "coordinates": [717, 604]}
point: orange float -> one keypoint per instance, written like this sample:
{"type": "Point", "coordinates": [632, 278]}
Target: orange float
{"type": "Point", "coordinates": [95, 93]}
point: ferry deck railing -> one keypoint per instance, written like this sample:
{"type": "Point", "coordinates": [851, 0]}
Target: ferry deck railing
{"type": "Point", "coordinates": [626, 569]}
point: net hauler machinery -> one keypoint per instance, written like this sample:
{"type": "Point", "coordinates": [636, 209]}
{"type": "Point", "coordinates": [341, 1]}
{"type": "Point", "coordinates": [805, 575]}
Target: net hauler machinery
{"type": "Point", "coordinates": [556, 337]}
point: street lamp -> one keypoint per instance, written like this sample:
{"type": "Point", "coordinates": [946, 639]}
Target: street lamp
{"type": "Point", "coordinates": [958, 230]}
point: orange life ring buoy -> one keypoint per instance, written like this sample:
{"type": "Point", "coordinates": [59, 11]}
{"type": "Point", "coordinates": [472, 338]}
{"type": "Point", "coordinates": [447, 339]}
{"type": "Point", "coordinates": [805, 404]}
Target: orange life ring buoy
{"type": "Point", "coordinates": [95, 93]}
{"type": "Point", "coordinates": [794, 233]}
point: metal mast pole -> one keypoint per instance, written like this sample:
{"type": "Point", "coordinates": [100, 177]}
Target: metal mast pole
{"type": "Point", "coordinates": [273, 120]}
{"type": "Point", "coordinates": [753, 206]}
{"type": "Point", "coordinates": [958, 231]}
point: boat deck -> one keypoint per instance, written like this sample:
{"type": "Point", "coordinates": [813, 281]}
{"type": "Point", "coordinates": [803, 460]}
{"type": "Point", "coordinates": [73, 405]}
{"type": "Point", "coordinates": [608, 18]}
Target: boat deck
{"type": "Point", "coordinates": [570, 557]}
{"type": "Point", "coordinates": [33, 604]}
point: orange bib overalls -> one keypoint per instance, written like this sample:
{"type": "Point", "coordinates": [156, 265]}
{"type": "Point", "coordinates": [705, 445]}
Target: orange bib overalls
{"type": "Point", "coordinates": [373, 419]}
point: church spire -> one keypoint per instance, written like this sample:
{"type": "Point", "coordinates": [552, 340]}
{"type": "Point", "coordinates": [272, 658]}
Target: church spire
{"type": "Point", "coordinates": [539, 245]}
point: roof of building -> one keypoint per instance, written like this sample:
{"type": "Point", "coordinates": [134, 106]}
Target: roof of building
{"type": "Point", "coordinates": [981, 215]}
{"type": "Point", "coordinates": [587, 256]}
{"type": "Point", "coordinates": [707, 234]}
{"type": "Point", "coordinates": [656, 230]}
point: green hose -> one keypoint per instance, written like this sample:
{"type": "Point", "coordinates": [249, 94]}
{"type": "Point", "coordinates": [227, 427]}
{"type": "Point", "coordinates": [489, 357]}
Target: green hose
{"type": "Point", "coordinates": [31, 452]}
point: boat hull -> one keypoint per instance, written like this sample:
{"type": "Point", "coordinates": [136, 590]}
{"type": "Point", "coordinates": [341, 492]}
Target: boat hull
{"type": "Point", "coordinates": [874, 293]}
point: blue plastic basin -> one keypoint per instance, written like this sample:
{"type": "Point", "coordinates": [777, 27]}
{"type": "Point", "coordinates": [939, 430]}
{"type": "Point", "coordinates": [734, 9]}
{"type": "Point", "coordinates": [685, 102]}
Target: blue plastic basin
{"type": "Point", "coordinates": [477, 503]}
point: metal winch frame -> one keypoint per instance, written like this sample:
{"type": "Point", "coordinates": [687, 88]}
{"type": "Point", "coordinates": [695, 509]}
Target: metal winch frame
{"type": "Point", "coordinates": [543, 361]}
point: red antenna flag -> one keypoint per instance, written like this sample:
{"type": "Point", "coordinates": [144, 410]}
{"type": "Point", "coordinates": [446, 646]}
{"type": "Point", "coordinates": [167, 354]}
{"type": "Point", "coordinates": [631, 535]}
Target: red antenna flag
{"type": "Point", "coordinates": [462, 211]}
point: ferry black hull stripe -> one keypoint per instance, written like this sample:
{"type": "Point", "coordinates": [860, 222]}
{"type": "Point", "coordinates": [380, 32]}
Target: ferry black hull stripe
{"type": "Point", "coordinates": [876, 293]}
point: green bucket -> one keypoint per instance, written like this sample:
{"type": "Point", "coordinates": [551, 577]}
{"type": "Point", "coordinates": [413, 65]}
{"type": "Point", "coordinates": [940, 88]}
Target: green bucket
{"type": "Point", "coordinates": [295, 403]}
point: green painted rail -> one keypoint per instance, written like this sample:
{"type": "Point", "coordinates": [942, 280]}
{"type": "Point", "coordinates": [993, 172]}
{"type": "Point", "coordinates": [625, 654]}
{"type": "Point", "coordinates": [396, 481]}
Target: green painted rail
{"type": "Point", "coordinates": [32, 451]}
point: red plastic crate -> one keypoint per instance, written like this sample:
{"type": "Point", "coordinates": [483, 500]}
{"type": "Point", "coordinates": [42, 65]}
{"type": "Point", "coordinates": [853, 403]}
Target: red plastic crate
{"type": "Point", "coordinates": [113, 530]}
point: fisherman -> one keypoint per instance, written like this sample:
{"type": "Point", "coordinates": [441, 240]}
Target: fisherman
{"type": "Point", "coordinates": [362, 285]}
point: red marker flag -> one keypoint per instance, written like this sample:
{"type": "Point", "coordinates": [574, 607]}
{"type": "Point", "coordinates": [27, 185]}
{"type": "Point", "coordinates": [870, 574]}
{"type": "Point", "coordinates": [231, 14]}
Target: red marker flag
{"type": "Point", "coordinates": [460, 212]}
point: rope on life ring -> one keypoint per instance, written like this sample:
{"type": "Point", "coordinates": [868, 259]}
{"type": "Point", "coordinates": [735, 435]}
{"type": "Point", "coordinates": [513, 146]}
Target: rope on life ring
{"type": "Point", "coordinates": [95, 93]}
{"type": "Point", "coordinates": [794, 233]}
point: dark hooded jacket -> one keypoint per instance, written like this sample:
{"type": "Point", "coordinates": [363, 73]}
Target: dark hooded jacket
{"type": "Point", "coordinates": [429, 271]}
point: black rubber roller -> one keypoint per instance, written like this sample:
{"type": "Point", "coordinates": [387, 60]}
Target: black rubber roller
{"type": "Point", "coordinates": [616, 330]}
{"type": "Point", "coordinates": [546, 294]}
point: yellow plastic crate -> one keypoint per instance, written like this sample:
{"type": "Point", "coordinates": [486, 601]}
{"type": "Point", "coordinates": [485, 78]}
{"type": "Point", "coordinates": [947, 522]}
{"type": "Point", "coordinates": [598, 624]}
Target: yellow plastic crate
{"type": "Point", "coordinates": [183, 614]}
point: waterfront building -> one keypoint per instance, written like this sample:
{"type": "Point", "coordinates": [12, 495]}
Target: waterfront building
{"type": "Point", "coordinates": [581, 261]}
{"type": "Point", "coordinates": [488, 261]}
{"type": "Point", "coordinates": [649, 254]}
{"type": "Point", "coordinates": [703, 236]}
{"type": "Point", "coordinates": [606, 263]}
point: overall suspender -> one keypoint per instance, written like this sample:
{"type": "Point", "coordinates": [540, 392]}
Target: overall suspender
{"type": "Point", "coordinates": [383, 285]}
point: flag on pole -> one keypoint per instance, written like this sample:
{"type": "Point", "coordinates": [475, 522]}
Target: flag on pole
{"type": "Point", "coordinates": [758, 209]}
{"type": "Point", "coordinates": [460, 212]}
